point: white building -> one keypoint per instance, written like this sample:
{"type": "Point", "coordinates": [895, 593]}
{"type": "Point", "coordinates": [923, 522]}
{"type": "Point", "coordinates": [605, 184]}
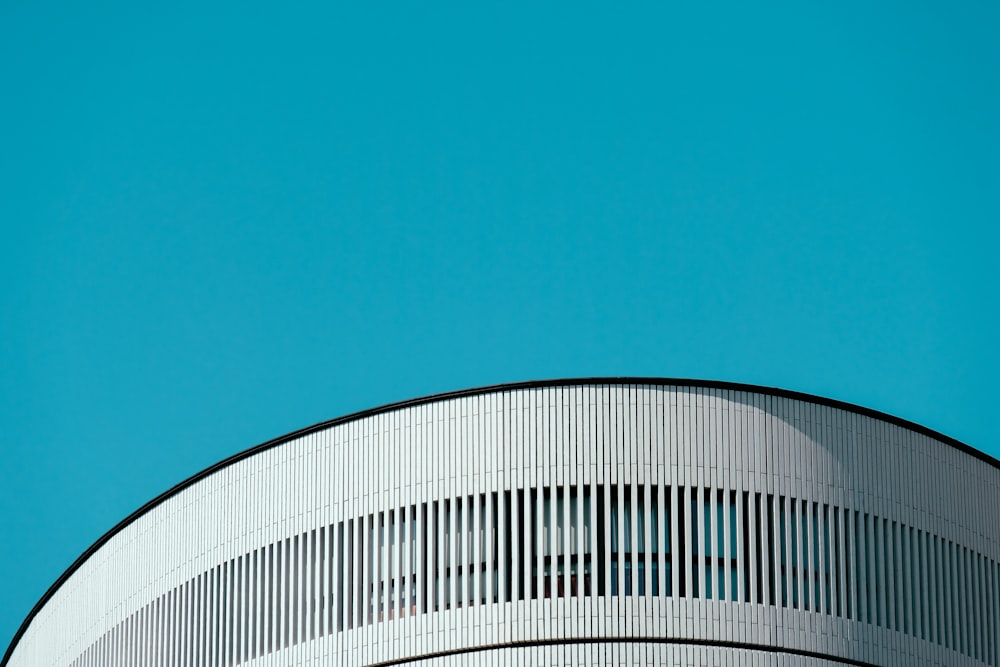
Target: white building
{"type": "Point", "coordinates": [609, 521]}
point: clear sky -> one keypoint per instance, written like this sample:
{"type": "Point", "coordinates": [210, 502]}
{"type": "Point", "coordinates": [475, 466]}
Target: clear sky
{"type": "Point", "coordinates": [222, 222]}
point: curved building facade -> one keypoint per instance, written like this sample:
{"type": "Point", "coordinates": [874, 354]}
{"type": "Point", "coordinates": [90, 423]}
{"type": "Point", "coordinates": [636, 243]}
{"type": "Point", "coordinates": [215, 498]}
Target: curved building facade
{"type": "Point", "coordinates": [610, 521]}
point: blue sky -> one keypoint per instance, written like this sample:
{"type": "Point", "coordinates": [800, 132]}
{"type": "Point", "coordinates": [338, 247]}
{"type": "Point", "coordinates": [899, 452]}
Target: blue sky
{"type": "Point", "coordinates": [222, 222]}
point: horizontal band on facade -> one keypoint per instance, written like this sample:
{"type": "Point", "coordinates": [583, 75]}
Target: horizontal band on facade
{"type": "Point", "coordinates": [679, 641]}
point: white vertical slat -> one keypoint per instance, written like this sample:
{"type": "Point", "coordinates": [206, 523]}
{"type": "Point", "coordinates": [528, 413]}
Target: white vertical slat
{"type": "Point", "coordinates": [925, 583]}
{"type": "Point", "coordinates": [766, 563]}
{"type": "Point", "coordinates": [891, 558]}
{"type": "Point", "coordinates": [214, 619]}
{"type": "Point", "coordinates": [440, 557]}
{"type": "Point", "coordinates": [782, 584]}
{"type": "Point", "coordinates": [308, 586]}
{"type": "Point", "coordinates": [954, 615]}
{"type": "Point", "coordinates": [685, 496]}
{"type": "Point", "coordinates": [316, 570]}
{"type": "Point", "coordinates": [941, 592]}
{"type": "Point", "coordinates": [293, 601]}
{"type": "Point", "coordinates": [869, 594]}
{"type": "Point", "coordinates": [985, 612]}
{"type": "Point", "coordinates": [233, 587]}
{"type": "Point", "coordinates": [475, 557]}
{"type": "Point", "coordinates": [632, 508]}
{"type": "Point", "coordinates": [238, 610]}
{"type": "Point", "coordinates": [419, 455]}
{"type": "Point", "coordinates": [276, 636]}
{"type": "Point", "coordinates": [242, 600]}
{"type": "Point", "coordinates": [547, 524]}
{"type": "Point", "coordinates": [801, 545]}
{"type": "Point", "coordinates": [566, 536]}
{"type": "Point", "coordinates": [791, 558]}
{"type": "Point", "coordinates": [176, 620]}
{"type": "Point", "coordinates": [459, 515]}
{"type": "Point", "coordinates": [365, 562]}
{"type": "Point", "coordinates": [385, 544]}
{"type": "Point", "coordinates": [267, 605]}
{"type": "Point", "coordinates": [324, 599]}
{"type": "Point", "coordinates": [502, 481]}
{"type": "Point", "coordinates": [978, 613]}
{"type": "Point", "coordinates": [580, 535]}
{"type": "Point", "coordinates": [252, 567]}
{"type": "Point", "coordinates": [210, 620]}
{"type": "Point", "coordinates": [663, 527]}
{"type": "Point", "coordinates": [199, 624]}
{"type": "Point", "coordinates": [538, 542]}
{"type": "Point", "coordinates": [836, 561]}
{"type": "Point", "coordinates": [954, 600]}
{"type": "Point", "coordinates": [352, 570]}
{"type": "Point", "coordinates": [968, 606]}
{"type": "Point", "coordinates": [995, 602]}
{"type": "Point", "coordinates": [855, 558]}
{"type": "Point", "coordinates": [710, 562]}
{"type": "Point", "coordinates": [813, 528]}
{"type": "Point", "coordinates": [421, 528]}
{"type": "Point", "coordinates": [908, 574]}
{"type": "Point", "coordinates": [937, 613]}
{"type": "Point", "coordinates": [521, 544]}
{"type": "Point", "coordinates": [742, 591]}
{"type": "Point", "coordinates": [844, 550]}
{"type": "Point", "coordinates": [605, 476]}
{"type": "Point", "coordinates": [620, 509]}
{"type": "Point", "coordinates": [395, 574]}
{"type": "Point", "coordinates": [196, 651]}
{"type": "Point", "coordinates": [648, 553]}
{"type": "Point", "coordinates": [989, 620]}
{"type": "Point", "coordinates": [961, 618]}
{"type": "Point", "coordinates": [166, 645]}
{"type": "Point", "coordinates": [753, 593]}
{"type": "Point", "coordinates": [657, 481]}
{"type": "Point", "coordinates": [406, 547]}
{"type": "Point", "coordinates": [822, 565]}
{"type": "Point", "coordinates": [490, 538]}
{"type": "Point", "coordinates": [924, 586]}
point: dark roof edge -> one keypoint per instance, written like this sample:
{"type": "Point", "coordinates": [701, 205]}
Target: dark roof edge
{"type": "Point", "coordinates": [510, 386]}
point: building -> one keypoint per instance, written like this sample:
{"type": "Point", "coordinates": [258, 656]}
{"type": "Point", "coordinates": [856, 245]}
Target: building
{"type": "Point", "coordinates": [608, 521]}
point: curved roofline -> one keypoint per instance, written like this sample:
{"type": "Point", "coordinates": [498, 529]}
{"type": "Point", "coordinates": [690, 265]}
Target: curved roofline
{"type": "Point", "coordinates": [475, 391]}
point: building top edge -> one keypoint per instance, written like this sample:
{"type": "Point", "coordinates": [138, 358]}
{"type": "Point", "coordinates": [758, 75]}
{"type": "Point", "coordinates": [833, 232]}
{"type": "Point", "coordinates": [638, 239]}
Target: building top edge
{"type": "Point", "coordinates": [476, 391]}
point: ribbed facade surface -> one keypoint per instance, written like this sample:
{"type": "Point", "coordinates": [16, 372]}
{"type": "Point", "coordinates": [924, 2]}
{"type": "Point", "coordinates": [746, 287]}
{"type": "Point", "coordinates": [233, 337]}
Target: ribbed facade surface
{"type": "Point", "coordinates": [577, 522]}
